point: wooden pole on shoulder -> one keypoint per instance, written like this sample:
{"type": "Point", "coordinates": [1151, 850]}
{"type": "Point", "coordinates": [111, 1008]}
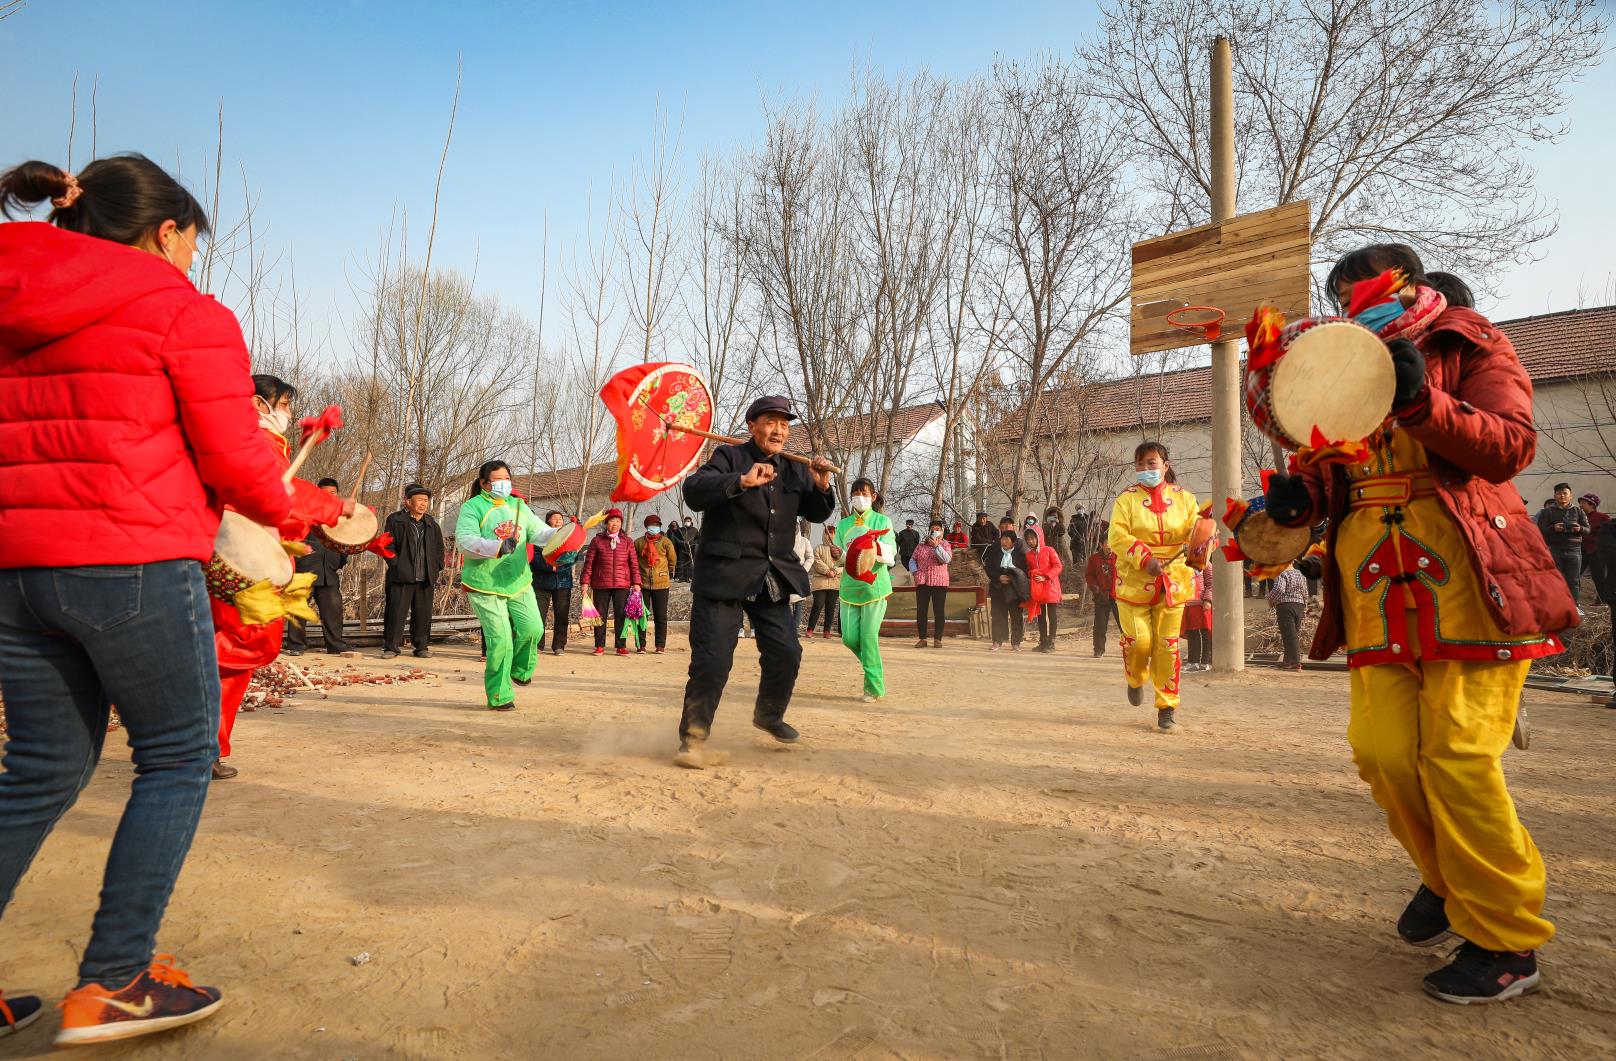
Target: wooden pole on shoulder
{"type": "Point", "coordinates": [1228, 582]}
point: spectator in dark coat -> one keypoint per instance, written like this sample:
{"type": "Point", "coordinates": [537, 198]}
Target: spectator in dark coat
{"type": "Point", "coordinates": [1008, 585]}
{"type": "Point", "coordinates": [1604, 574]}
{"type": "Point", "coordinates": [412, 574]}
{"type": "Point", "coordinates": [1589, 503]}
{"type": "Point", "coordinates": [982, 535]}
{"type": "Point", "coordinates": [552, 589]}
{"type": "Point", "coordinates": [326, 565]}
{"type": "Point", "coordinates": [1100, 576]}
{"type": "Point", "coordinates": [1077, 531]}
{"type": "Point", "coordinates": [908, 541]}
{"type": "Point", "coordinates": [1564, 525]}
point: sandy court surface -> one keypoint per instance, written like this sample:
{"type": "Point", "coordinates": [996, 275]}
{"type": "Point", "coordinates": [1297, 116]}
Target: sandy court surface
{"type": "Point", "coordinates": [1002, 861]}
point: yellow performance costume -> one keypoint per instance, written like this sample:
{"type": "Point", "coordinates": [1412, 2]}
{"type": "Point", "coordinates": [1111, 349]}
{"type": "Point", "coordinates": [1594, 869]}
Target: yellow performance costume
{"type": "Point", "coordinates": [1435, 688]}
{"type": "Point", "coordinates": [1145, 523]}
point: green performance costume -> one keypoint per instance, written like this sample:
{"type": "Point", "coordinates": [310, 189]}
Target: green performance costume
{"type": "Point", "coordinates": [864, 604]}
{"type": "Point", "coordinates": [500, 588]}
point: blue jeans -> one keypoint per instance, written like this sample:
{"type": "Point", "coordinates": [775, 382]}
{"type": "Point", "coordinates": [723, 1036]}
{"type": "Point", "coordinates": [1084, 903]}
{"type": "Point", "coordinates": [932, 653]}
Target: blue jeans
{"type": "Point", "coordinates": [73, 642]}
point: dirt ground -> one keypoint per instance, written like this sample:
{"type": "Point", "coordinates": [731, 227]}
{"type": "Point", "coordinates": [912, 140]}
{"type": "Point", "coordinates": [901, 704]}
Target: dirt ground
{"type": "Point", "coordinates": [1002, 861]}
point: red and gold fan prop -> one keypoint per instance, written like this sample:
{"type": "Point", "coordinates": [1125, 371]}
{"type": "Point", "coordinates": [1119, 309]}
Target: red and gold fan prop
{"type": "Point", "coordinates": [664, 414]}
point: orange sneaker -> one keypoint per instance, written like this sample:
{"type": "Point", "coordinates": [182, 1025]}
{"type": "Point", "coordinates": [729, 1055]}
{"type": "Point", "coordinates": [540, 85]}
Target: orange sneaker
{"type": "Point", "coordinates": [160, 998]}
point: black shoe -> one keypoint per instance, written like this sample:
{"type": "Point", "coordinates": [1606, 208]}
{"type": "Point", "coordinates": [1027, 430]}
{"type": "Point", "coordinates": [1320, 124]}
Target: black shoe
{"type": "Point", "coordinates": [1425, 919]}
{"type": "Point", "coordinates": [519, 681]}
{"type": "Point", "coordinates": [1481, 975]}
{"type": "Point", "coordinates": [1164, 719]}
{"type": "Point", "coordinates": [1136, 695]}
{"type": "Point", "coordinates": [1099, 652]}
{"type": "Point", "coordinates": [780, 731]}
{"type": "Point", "coordinates": [388, 653]}
{"type": "Point", "coordinates": [19, 1011]}
{"type": "Point", "coordinates": [423, 653]}
{"type": "Point", "coordinates": [291, 651]}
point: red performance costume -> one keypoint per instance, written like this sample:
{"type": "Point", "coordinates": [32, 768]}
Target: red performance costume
{"type": "Point", "coordinates": [244, 647]}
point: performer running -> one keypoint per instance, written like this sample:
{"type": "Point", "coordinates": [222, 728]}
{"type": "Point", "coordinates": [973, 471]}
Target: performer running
{"type": "Point", "coordinates": [751, 497]}
{"type": "Point", "coordinates": [494, 530]}
{"type": "Point", "coordinates": [1150, 528]}
{"type": "Point", "coordinates": [864, 600]}
{"type": "Point", "coordinates": [243, 647]}
{"type": "Point", "coordinates": [1442, 591]}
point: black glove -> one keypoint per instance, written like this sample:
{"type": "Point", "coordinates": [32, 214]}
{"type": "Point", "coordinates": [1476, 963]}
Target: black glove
{"type": "Point", "coordinates": [1287, 500]}
{"type": "Point", "coordinates": [1409, 364]}
{"type": "Point", "coordinates": [507, 546]}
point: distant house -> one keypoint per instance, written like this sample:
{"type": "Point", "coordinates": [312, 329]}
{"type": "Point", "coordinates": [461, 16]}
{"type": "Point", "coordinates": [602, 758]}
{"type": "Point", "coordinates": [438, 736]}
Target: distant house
{"type": "Point", "coordinates": [858, 444]}
{"type": "Point", "coordinates": [1084, 437]}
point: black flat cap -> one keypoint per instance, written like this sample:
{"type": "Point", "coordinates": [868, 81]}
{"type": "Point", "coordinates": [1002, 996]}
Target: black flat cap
{"type": "Point", "coordinates": [415, 489]}
{"type": "Point", "coordinates": [771, 403]}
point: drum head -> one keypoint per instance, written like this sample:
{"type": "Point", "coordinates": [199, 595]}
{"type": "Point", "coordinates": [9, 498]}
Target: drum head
{"type": "Point", "coordinates": [1337, 377]}
{"type": "Point", "coordinates": [356, 530]}
{"type": "Point", "coordinates": [1266, 542]}
{"type": "Point", "coordinates": [568, 538]}
{"type": "Point", "coordinates": [252, 550]}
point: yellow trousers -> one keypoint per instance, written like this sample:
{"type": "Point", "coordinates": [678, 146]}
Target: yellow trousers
{"type": "Point", "coordinates": [1428, 738]}
{"type": "Point", "coordinates": [1150, 647]}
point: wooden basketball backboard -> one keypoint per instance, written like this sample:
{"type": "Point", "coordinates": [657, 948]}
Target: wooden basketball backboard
{"type": "Point", "coordinates": [1234, 265]}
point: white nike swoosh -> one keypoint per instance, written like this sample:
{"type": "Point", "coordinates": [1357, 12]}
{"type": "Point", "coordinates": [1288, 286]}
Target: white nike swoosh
{"type": "Point", "coordinates": [138, 1012]}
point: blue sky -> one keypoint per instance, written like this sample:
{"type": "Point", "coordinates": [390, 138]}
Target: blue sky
{"type": "Point", "coordinates": [337, 110]}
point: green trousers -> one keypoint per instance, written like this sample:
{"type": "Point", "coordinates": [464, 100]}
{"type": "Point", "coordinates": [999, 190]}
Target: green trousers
{"type": "Point", "coordinates": [861, 633]}
{"type": "Point", "coordinates": [513, 628]}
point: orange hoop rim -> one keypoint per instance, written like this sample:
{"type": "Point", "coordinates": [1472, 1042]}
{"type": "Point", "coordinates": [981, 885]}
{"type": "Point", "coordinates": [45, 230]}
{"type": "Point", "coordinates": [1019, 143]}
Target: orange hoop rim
{"type": "Point", "coordinates": [1209, 329]}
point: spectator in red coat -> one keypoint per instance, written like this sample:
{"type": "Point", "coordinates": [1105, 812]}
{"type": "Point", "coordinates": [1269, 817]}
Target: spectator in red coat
{"type": "Point", "coordinates": [1100, 575]}
{"type": "Point", "coordinates": [126, 423]}
{"type": "Point", "coordinates": [611, 569]}
{"type": "Point", "coordinates": [1043, 575]}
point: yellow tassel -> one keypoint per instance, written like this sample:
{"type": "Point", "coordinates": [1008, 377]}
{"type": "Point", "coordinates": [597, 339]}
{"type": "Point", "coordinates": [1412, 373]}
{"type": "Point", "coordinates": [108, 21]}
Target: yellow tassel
{"type": "Point", "coordinates": [263, 603]}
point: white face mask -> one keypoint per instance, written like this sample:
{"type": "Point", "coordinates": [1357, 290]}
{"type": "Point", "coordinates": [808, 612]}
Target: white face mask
{"type": "Point", "coordinates": [653, 531]}
{"type": "Point", "coordinates": [278, 421]}
{"type": "Point", "coordinates": [936, 532]}
{"type": "Point", "coordinates": [862, 502]}
{"type": "Point", "coordinates": [500, 488]}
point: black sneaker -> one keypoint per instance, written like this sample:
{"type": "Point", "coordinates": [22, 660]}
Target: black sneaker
{"type": "Point", "coordinates": [423, 653]}
{"type": "Point", "coordinates": [388, 653]}
{"type": "Point", "coordinates": [780, 731]}
{"type": "Point", "coordinates": [19, 1011]}
{"type": "Point", "coordinates": [1425, 919]}
{"type": "Point", "coordinates": [1481, 975]}
{"type": "Point", "coordinates": [691, 755]}
{"type": "Point", "coordinates": [1164, 719]}
{"type": "Point", "coordinates": [1136, 695]}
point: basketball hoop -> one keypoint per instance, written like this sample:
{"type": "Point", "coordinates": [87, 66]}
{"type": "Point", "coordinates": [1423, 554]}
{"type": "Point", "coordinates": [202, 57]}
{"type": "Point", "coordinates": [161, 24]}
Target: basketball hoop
{"type": "Point", "coordinates": [1208, 320]}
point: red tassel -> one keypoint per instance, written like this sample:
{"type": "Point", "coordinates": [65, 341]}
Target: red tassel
{"type": "Point", "coordinates": [1233, 553]}
{"type": "Point", "coordinates": [328, 421]}
{"type": "Point", "coordinates": [1366, 293]}
{"type": "Point", "coordinates": [1262, 337]}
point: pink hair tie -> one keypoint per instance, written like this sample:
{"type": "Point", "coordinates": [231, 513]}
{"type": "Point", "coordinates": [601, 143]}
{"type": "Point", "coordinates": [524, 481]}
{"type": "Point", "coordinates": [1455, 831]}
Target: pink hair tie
{"type": "Point", "coordinates": [69, 197]}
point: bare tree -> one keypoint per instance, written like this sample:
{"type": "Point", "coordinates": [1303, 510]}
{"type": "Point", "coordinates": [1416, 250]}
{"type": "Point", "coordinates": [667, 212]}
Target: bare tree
{"type": "Point", "coordinates": [725, 344]}
{"type": "Point", "coordinates": [1405, 123]}
{"type": "Point", "coordinates": [1062, 219]}
{"type": "Point", "coordinates": [646, 239]}
{"type": "Point", "coordinates": [594, 337]}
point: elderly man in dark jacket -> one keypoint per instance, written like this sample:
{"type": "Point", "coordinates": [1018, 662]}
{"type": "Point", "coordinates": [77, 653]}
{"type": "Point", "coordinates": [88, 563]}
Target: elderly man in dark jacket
{"type": "Point", "coordinates": [751, 498]}
{"type": "Point", "coordinates": [412, 574]}
{"type": "Point", "coordinates": [326, 564]}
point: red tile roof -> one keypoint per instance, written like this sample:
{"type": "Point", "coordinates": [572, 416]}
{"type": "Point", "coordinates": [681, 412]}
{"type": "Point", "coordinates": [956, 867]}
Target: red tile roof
{"type": "Point", "coordinates": [848, 433]}
{"type": "Point", "coordinates": [1552, 346]}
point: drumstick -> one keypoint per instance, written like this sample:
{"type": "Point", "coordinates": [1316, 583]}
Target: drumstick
{"type": "Point", "coordinates": [360, 482]}
{"type": "Point", "coordinates": [799, 458]}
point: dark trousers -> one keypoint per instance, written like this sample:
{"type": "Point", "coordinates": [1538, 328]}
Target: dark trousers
{"type": "Point", "coordinates": [826, 599]}
{"type": "Point", "coordinates": [930, 599]}
{"type": "Point", "coordinates": [555, 607]}
{"type": "Point", "coordinates": [658, 600]}
{"type": "Point", "coordinates": [328, 603]}
{"type": "Point", "coordinates": [1008, 620]}
{"type": "Point", "coordinates": [1200, 647]}
{"type": "Point", "coordinates": [613, 601]}
{"type": "Point", "coordinates": [1290, 630]}
{"type": "Point", "coordinates": [1570, 565]}
{"type": "Point", "coordinates": [714, 627]}
{"type": "Point", "coordinates": [1104, 609]}
{"type": "Point", "coordinates": [414, 598]}
{"type": "Point", "coordinates": [74, 641]}
{"type": "Point", "coordinates": [1048, 623]}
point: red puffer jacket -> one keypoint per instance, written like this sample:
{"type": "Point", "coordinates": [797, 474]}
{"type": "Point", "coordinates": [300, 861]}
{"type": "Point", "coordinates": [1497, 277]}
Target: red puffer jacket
{"type": "Point", "coordinates": [126, 419]}
{"type": "Point", "coordinates": [1043, 575]}
{"type": "Point", "coordinates": [1479, 433]}
{"type": "Point", "coordinates": [608, 568]}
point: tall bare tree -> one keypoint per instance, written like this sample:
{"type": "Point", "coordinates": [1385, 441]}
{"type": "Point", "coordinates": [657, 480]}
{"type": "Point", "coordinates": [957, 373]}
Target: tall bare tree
{"type": "Point", "coordinates": [649, 225]}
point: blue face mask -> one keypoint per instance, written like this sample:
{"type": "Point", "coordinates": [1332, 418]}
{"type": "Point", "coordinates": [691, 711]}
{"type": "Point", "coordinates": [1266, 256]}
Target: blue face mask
{"type": "Point", "coordinates": [500, 488]}
{"type": "Point", "coordinates": [1150, 478]}
{"type": "Point", "coordinates": [1377, 317]}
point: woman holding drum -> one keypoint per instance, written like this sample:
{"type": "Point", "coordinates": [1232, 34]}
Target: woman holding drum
{"type": "Point", "coordinates": [1151, 526]}
{"type": "Point", "coordinates": [245, 646]}
{"type": "Point", "coordinates": [1442, 592]}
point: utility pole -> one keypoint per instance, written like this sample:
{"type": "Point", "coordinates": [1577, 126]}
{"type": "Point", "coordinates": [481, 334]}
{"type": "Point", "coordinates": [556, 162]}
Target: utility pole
{"type": "Point", "coordinates": [1228, 581]}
